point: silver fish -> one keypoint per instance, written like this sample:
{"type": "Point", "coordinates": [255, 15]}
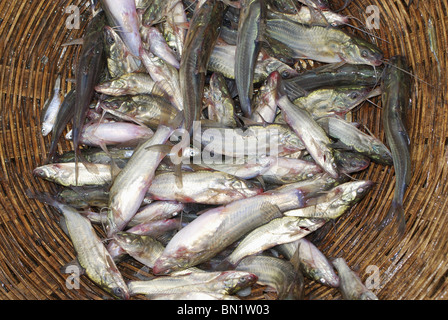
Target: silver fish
{"type": "Point", "coordinates": [51, 108]}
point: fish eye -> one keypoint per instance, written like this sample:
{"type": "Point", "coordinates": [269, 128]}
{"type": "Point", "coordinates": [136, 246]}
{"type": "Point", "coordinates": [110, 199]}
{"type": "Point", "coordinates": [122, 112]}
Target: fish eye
{"type": "Point", "coordinates": [285, 74]}
{"type": "Point", "coordinates": [360, 190]}
{"type": "Point", "coordinates": [118, 292]}
{"type": "Point", "coordinates": [110, 40]}
{"type": "Point", "coordinates": [353, 95]}
{"type": "Point", "coordinates": [364, 53]}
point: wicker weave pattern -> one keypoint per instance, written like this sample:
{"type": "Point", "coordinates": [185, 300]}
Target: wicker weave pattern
{"type": "Point", "coordinates": [33, 247]}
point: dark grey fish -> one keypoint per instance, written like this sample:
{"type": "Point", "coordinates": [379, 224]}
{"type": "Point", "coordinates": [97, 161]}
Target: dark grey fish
{"type": "Point", "coordinates": [396, 102]}
{"type": "Point", "coordinates": [250, 30]}
{"type": "Point", "coordinates": [200, 40]}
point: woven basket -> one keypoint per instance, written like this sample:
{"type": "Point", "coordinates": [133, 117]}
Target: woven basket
{"type": "Point", "coordinates": [33, 247]}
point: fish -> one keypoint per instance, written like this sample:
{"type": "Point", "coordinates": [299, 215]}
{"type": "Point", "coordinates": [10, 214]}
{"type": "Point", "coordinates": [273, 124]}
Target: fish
{"type": "Point", "coordinates": [323, 44]}
{"type": "Point", "coordinates": [92, 257]}
{"type": "Point", "coordinates": [51, 108]}
{"type": "Point", "coordinates": [265, 100]}
{"type": "Point", "coordinates": [120, 156]}
{"type": "Point", "coordinates": [226, 282]}
{"type": "Point", "coordinates": [69, 175]}
{"type": "Point", "coordinates": [199, 42]}
{"type": "Point", "coordinates": [123, 16]}
{"type": "Point", "coordinates": [206, 187]}
{"type": "Point", "coordinates": [154, 41]}
{"type": "Point", "coordinates": [287, 170]}
{"type": "Point", "coordinates": [144, 249]}
{"type": "Point", "coordinates": [119, 59]}
{"type": "Point", "coordinates": [65, 115]}
{"type": "Point", "coordinates": [84, 198]}
{"type": "Point", "coordinates": [351, 286]}
{"type": "Point", "coordinates": [143, 109]}
{"type": "Point", "coordinates": [332, 102]}
{"type": "Point", "coordinates": [158, 230]}
{"type": "Point", "coordinates": [222, 60]}
{"type": "Point", "coordinates": [249, 169]}
{"type": "Point", "coordinates": [256, 140]}
{"type": "Point", "coordinates": [175, 27]}
{"type": "Point", "coordinates": [334, 202]}
{"type": "Point", "coordinates": [166, 77]}
{"type": "Point", "coordinates": [312, 135]}
{"type": "Point", "coordinates": [250, 31]}
{"type": "Point", "coordinates": [216, 228]}
{"type": "Point", "coordinates": [332, 75]}
{"type": "Point", "coordinates": [131, 184]}
{"type": "Point", "coordinates": [311, 261]}
{"type": "Point", "coordinates": [349, 137]}
{"type": "Point", "coordinates": [116, 133]}
{"type": "Point", "coordinates": [277, 273]}
{"type": "Point", "coordinates": [396, 103]}
{"type": "Point", "coordinates": [199, 295]}
{"type": "Point", "coordinates": [311, 16]}
{"type": "Point", "coordinates": [90, 65]}
{"type": "Point", "coordinates": [157, 210]}
{"type": "Point", "coordinates": [222, 106]}
{"type": "Point", "coordinates": [277, 231]}
{"type": "Point", "coordinates": [133, 83]}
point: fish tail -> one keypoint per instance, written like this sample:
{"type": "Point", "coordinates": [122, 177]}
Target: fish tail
{"type": "Point", "coordinates": [43, 197]}
{"type": "Point", "coordinates": [395, 214]}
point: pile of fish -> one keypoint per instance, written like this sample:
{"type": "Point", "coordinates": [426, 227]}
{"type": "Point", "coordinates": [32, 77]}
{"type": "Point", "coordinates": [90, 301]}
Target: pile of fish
{"type": "Point", "coordinates": [207, 155]}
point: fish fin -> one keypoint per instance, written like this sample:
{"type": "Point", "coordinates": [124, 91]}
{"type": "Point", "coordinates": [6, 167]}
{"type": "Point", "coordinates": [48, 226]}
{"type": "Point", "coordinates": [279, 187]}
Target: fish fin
{"type": "Point", "coordinates": [163, 148]}
{"type": "Point", "coordinates": [159, 89]}
{"type": "Point", "coordinates": [225, 265]}
{"type": "Point", "coordinates": [114, 168]}
{"type": "Point", "coordinates": [43, 197]}
{"type": "Point", "coordinates": [339, 145]}
{"type": "Point", "coordinates": [331, 67]}
{"type": "Point", "coordinates": [183, 25]}
{"type": "Point", "coordinates": [178, 175]}
{"type": "Point", "coordinates": [396, 215]}
{"type": "Point", "coordinates": [261, 181]}
{"type": "Point", "coordinates": [78, 41]}
{"type": "Point", "coordinates": [173, 123]}
{"type": "Point", "coordinates": [248, 121]}
{"type": "Point", "coordinates": [63, 225]}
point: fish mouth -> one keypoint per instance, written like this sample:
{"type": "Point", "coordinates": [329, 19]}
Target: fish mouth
{"type": "Point", "coordinates": [38, 172]}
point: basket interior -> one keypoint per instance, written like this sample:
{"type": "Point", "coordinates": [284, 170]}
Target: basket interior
{"type": "Point", "coordinates": [33, 247]}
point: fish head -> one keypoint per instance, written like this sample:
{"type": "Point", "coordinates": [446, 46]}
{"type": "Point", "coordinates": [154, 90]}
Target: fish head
{"type": "Point", "coordinates": [120, 292]}
{"type": "Point", "coordinates": [284, 70]}
{"type": "Point", "coordinates": [234, 281]}
{"type": "Point", "coordinates": [243, 187]}
{"type": "Point", "coordinates": [46, 129]}
{"type": "Point", "coordinates": [126, 239]}
{"type": "Point", "coordinates": [359, 51]}
{"type": "Point", "coordinates": [113, 45]}
{"type": "Point", "coordinates": [356, 190]}
{"type": "Point", "coordinates": [41, 172]}
{"type": "Point", "coordinates": [349, 162]}
{"type": "Point", "coordinates": [346, 98]}
{"type": "Point", "coordinates": [336, 19]}
{"type": "Point", "coordinates": [381, 154]}
{"type": "Point", "coordinates": [51, 171]}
